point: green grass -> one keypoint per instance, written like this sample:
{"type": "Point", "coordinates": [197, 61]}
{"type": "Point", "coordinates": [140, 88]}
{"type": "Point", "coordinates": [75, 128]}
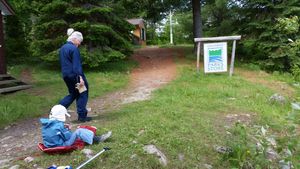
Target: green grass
{"type": "Point", "coordinates": [49, 88]}
{"type": "Point", "coordinates": [188, 117]}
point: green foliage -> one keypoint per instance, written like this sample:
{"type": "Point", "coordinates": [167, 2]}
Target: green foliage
{"type": "Point", "coordinates": [152, 37]}
{"type": "Point", "coordinates": [100, 55]}
{"type": "Point", "coordinates": [106, 36]}
{"type": "Point", "coordinates": [17, 29]}
{"type": "Point", "coordinates": [244, 151]}
{"type": "Point", "coordinates": [182, 25]}
{"type": "Point", "coordinates": [153, 11]}
{"type": "Point", "coordinates": [286, 51]}
{"type": "Point", "coordinates": [218, 17]}
{"type": "Point", "coordinates": [150, 10]}
{"type": "Point", "coordinates": [288, 25]}
{"type": "Point", "coordinates": [251, 147]}
{"type": "Point", "coordinates": [267, 26]}
{"type": "Point", "coordinates": [296, 73]}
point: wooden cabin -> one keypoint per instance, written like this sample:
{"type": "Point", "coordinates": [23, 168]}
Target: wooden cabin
{"type": "Point", "coordinates": [139, 33]}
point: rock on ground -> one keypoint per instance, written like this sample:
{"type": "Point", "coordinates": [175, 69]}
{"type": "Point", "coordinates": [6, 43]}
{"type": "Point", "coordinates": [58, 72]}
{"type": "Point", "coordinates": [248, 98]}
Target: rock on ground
{"type": "Point", "coordinates": [152, 149]}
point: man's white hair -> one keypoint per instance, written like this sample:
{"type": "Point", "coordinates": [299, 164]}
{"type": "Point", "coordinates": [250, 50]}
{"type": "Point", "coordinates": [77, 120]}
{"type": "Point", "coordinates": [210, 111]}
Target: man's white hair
{"type": "Point", "coordinates": [72, 34]}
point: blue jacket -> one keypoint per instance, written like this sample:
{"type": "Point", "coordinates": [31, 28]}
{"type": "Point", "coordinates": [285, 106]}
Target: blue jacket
{"type": "Point", "coordinates": [70, 60]}
{"type": "Point", "coordinates": [54, 132]}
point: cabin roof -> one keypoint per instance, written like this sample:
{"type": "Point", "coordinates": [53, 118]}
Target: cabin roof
{"type": "Point", "coordinates": [5, 8]}
{"type": "Point", "coordinates": [136, 21]}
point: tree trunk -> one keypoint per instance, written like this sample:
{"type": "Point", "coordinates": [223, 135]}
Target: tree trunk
{"type": "Point", "coordinates": [197, 21]}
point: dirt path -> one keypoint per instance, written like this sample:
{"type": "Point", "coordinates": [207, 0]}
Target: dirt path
{"type": "Point", "coordinates": [156, 68]}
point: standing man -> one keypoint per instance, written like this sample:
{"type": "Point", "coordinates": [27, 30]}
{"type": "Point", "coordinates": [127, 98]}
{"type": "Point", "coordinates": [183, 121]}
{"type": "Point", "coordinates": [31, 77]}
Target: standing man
{"type": "Point", "coordinates": [73, 75]}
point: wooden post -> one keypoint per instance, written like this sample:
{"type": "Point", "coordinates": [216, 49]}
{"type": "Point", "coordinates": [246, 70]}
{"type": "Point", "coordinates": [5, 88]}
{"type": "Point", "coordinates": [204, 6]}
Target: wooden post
{"type": "Point", "coordinates": [198, 56]}
{"type": "Point", "coordinates": [2, 53]}
{"type": "Point", "coordinates": [220, 38]}
{"type": "Point", "coordinates": [232, 58]}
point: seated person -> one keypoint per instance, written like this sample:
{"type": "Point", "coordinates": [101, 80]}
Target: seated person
{"type": "Point", "coordinates": [56, 133]}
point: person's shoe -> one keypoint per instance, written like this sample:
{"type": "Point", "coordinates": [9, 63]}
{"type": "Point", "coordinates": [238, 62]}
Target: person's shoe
{"type": "Point", "coordinates": [89, 109]}
{"type": "Point", "coordinates": [96, 139]}
{"type": "Point", "coordinates": [102, 138]}
{"type": "Point", "coordinates": [105, 136]}
{"type": "Point", "coordinates": [84, 119]}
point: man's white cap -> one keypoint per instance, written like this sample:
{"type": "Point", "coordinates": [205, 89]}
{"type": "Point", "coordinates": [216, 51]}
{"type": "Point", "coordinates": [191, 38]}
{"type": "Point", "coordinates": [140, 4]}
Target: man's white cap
{"type": "Point", "coordinates": [59, 112]}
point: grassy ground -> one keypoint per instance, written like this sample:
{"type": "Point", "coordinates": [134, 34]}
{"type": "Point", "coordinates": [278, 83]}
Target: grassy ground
{"type": "Point", "coordinates": [49, 88]}
{"type": "Point", "coordinates": [189, 118]}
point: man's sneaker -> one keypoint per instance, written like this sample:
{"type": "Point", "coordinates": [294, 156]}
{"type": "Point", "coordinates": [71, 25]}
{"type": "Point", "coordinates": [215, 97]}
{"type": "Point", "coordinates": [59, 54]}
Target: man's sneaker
{"type": "Point", "coordinates": [84, 119]}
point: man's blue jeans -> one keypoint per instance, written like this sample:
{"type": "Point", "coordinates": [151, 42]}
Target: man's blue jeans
{"type": "Point", "coordinates": [81, 98]}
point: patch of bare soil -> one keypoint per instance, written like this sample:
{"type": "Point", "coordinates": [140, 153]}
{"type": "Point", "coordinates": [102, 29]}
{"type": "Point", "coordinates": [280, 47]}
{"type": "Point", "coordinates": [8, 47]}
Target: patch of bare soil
{"type": "Point", "coordinates": [226, 120]}
{"type": "Point", "coordinates": [246, 118]}
{"type": "Point", "coordinates": [262, 78]}
{"type": "Point", "coordinates": [156, 68]}
{"type": "Point", "coordinates": [243, 118]}
{"type": "Point", "coordinates": [26, 76]}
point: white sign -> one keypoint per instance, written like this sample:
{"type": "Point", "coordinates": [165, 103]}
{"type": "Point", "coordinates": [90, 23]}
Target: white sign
{"type": "Point", "coordinates": [215, 57]}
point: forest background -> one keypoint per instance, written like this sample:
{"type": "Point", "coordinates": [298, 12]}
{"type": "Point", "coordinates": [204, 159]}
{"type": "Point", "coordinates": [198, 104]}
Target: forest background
{"type": "Point", "coordinates": [269, 29]}
{"type": "Point", "coordinates": [270, 39]}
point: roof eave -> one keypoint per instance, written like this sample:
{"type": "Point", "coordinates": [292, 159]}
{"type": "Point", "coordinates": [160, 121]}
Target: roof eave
{"type": "Point", "coordinates": [6, 9]}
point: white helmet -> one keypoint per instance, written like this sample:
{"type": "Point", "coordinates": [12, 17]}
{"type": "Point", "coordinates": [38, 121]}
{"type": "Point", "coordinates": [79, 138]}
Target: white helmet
{"type": "Point", "coordinates": [59, 112]}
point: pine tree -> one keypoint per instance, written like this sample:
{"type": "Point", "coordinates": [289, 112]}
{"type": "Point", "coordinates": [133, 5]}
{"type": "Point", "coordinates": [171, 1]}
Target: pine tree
{"type": "Point", "coordinates": [218, 16]}
{"type": "Point", "coordinates": [106, 36]}
{"type": "Point", "coordinates": [17, 28]}
{"type": "Point", "coordinates": [263, 40]}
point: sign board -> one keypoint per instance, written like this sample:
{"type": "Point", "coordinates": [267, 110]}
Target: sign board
{"type": "Point", "coordinates": [215, 57]}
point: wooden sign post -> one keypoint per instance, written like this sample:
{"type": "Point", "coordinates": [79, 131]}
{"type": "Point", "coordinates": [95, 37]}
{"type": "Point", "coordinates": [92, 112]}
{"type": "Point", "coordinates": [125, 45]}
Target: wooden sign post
{"type": "Point", "coordinates": [218, 39]}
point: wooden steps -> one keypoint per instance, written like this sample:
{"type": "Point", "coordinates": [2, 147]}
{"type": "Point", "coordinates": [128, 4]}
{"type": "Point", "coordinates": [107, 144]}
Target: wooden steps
{"type": "Point", "coordinates": [10, 84]}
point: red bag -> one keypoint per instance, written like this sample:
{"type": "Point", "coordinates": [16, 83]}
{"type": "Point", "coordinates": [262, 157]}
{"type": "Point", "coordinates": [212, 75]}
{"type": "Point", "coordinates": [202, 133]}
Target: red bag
{"type": "Point", "coordinates": [78, 144]}
{"type": "Point", "coordinates": [92, 128]}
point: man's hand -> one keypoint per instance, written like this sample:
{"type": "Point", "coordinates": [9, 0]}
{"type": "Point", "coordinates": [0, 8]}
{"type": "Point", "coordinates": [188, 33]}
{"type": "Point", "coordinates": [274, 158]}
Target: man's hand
{"type": "Point", "coordinates": [68, 126]}
{"type": "Point", "coordinates": [81, 83]}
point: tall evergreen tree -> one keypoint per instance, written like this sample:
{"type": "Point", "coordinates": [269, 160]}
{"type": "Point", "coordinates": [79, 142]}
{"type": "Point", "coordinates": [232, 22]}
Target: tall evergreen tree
{"type": "Point", "coordinates": [263, 39]}
{"type": "Point", "coordinates": [218, 17]}
{"type": "Point", "coordinates": [17, 28]}
{"type": "Point", "coordinates": [106, 36]}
